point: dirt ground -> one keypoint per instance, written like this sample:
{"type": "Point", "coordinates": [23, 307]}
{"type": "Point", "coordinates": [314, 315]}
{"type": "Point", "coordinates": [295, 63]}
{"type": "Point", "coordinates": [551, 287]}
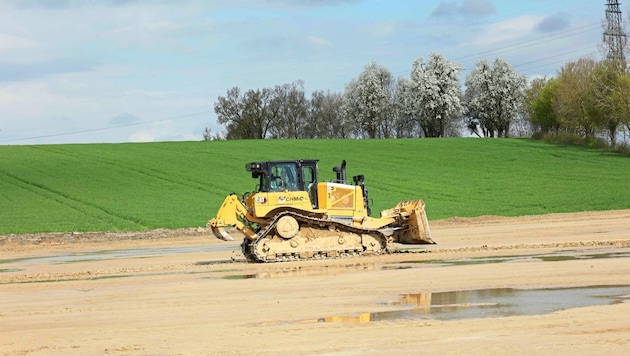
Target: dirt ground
{"type": "Point", "coordinates": [187, 293]}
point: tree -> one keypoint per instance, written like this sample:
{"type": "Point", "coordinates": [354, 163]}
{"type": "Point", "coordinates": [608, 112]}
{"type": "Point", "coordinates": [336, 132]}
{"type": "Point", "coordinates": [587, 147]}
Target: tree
{"type": "Point", "coordinates": [611, 92]}
{"type": "Point", "coordinates": [249, 116]}
{"type": "Point", "coordinates": [290, 104]}
{"type": "Point", "coordinates": [494, 98]}
{"type": "Point", "coordinates": [574, 103]}
{"type": "Point", "coordinates": [208, 136]}
{"type": "Point", "coordinates": [405, 121]}
{"type": "Point", "coordinates": [434, 90]}
{"type": "Point", "coordinates": [368, 100]}
{"type": "Point", "coordinates": [259, 111]}
{"type": "Point", "coordinates": [324, 118]}
{"type": "Point", "coordinates": [608, 93]}
{"type": "Point", "coordinates": [620, 99]}
{"type": "Point", "coordinates": [229, 110]}
{"type": "Point", "coordinates": [540, 99]}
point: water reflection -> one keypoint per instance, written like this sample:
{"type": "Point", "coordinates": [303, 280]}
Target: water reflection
{"type": "Point", "coordinates": [303, 271]}
{"type": "Point", "coordinates": [493, 303]}
{"type": "Point", "coordinates": [93, 256]}
{"type": "Point", "coordinates": [550, 257]}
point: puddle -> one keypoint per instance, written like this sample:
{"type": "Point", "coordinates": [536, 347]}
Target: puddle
{"type": "Point", "coordinates": [596, 256]}
{"type": "Point", "coordinates": [4, 270]}
{"type": "Point", "coordinates": [89, 256]}
{"type": "Point", "coordinates": [549, 257]}
{"type": "Point", "coordinates": [492, 303]}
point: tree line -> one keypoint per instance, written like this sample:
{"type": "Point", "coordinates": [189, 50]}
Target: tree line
{"type": "Point", "coordinates": [430, 103]}
{"type": "Point", "coordinates": [280, 112]}
{"type": "Point", "coordinates": [587, 98]}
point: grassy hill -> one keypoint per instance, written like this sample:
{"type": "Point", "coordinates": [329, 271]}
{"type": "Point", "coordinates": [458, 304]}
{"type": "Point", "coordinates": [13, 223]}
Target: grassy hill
{"type": "Point", "coordinates": [104, 187]}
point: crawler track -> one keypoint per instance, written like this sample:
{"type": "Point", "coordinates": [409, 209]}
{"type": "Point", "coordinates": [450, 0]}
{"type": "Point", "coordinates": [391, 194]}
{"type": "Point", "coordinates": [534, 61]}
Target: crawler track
{"type": "Point", "coordinates": [317, 239]}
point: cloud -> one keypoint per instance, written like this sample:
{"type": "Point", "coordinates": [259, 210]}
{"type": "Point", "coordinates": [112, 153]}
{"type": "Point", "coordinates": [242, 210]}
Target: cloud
{"type": "Point", "coordinates": [124, 119]}
{"type": "Point", "coordinates": [11, 43]}
{"type": "Point", "coordinates": [553, 23]}
{"type": "Point", "coordinates": [477, 8]}
{"type": "Point", "coordinates": [68, 4]}
{"type": "Point", "coordinates": [314, 3]}
{"type": "Point", "coordinates": [143, 136]}
{"type": "Point", "coordinates": [63, 4]}
{"type": "Point", "coordinates": [144, 33]}
{"type": "Point", "coordinates": [510, 29]}
{"type": "Point", "coordinates": [468, 8]}
{"type": "Point", "coordinates": [383, 29]}
{"type": "Point", "coordinates": [150, 93]}
{"type": "Point", "coordinates": [331, 2]}
{"type": "Point", "coordinates": [445, 9]}
{"type": "Point", "coordinates": [318, 41]}
{"type": "Point", "coordinates": [13, 72]}
{"type": "Point", "coordinates": [159, 131]}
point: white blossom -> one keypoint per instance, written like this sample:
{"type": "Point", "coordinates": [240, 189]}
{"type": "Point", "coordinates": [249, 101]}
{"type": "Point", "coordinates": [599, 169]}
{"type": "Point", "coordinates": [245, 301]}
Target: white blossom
{"type": "Point", "coordinates": [434, 94]}
{"type": "Point", "coordinates": [494, 97]}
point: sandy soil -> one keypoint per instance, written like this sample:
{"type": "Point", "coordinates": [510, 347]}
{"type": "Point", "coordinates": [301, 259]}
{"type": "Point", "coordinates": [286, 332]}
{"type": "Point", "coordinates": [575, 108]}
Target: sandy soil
{"type": "Point", "coordinates": [187, 293]}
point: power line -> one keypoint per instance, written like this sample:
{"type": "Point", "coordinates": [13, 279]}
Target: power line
{"type": "Point", "coordinates": [535, 42]}
{"type": "Point", "coordinates": [108, 128]}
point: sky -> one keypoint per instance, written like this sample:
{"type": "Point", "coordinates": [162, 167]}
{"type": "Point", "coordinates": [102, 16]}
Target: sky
{"type": "Point", "coordinates": [110, 71]}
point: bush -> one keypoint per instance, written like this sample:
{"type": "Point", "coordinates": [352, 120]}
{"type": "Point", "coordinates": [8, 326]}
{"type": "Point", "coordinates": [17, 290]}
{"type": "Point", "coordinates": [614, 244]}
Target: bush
{"type": "Point", "coordinates": [572, 139]}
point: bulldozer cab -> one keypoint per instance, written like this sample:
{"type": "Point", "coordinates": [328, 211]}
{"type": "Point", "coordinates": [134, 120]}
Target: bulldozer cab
{"type": "Point", "coordinates": [280, 176]}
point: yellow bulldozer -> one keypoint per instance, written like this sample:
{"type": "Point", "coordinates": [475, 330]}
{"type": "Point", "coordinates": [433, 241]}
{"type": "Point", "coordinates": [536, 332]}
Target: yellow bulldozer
{"type": "Point", "coordinates": [291, 215]}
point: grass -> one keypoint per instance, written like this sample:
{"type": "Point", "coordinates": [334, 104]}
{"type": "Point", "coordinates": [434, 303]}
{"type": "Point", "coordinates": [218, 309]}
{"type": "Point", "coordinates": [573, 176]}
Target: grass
{"type": "Point", "coordinates": [121, 187]}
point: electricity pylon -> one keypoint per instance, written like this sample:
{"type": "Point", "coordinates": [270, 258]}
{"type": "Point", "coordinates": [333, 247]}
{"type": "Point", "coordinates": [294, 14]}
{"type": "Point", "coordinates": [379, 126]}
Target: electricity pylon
{"type": "Point", "coordinates": [615, 39]}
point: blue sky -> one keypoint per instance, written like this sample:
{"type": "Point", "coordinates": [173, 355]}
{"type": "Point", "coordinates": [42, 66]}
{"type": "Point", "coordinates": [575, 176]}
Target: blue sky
{"type": "Point", "coordinates": [83, 71]}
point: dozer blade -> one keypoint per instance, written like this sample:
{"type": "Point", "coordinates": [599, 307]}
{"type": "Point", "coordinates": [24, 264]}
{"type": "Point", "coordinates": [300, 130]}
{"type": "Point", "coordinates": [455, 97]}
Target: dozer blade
{"type": "Point", "coordinates": [413, 222]}
{"type": "Point", "coordinates": [220, 233]}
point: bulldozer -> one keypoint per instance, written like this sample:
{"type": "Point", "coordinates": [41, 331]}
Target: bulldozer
{"type": "Point", "coordinates": [291, 215]}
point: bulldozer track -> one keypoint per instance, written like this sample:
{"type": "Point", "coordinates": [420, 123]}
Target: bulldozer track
{"type": "Point", "coordinates": [251, 251]}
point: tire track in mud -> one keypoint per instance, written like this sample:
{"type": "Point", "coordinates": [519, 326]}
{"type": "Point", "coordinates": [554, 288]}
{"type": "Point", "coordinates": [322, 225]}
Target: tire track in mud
{"type": "Point", "coordinates": [560, 245]}
{"type": "Point", "coordinates": [93, 275]}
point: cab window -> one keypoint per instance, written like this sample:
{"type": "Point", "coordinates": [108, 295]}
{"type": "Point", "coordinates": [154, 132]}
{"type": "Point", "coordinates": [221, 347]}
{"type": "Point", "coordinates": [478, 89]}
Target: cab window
{"type": "Point", "coordinates": [283, 177]}
{"type": "Point", "coordinates": [308, 176]}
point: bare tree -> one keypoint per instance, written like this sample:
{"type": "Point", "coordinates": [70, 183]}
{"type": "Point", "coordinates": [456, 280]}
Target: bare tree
{"type": "Point", "coordinates": [208, 136]}
{"type": "Point", "coordinates": [248, 116]}
{"type": "Point", "coordinates": [290, 103]}
{"type": "Point", "coordinates": [324, 118]}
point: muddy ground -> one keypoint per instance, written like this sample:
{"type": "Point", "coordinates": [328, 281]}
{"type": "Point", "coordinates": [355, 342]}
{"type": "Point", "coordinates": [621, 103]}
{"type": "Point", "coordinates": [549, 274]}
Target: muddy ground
{"type": "Point", "coordinates": [186, 293]}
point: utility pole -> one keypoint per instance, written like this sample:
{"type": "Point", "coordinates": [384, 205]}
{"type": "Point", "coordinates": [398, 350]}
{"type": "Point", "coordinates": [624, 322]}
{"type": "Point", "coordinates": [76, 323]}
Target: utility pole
{"type": "Point", "coordinates": [615, 39]}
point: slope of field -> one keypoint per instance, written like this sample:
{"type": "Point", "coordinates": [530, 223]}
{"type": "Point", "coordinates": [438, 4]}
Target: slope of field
{"type": "Point", "coordinates": [122, 187]}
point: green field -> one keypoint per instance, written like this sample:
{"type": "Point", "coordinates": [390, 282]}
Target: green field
{"type": "Point", "coordinates": [118, 187]}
